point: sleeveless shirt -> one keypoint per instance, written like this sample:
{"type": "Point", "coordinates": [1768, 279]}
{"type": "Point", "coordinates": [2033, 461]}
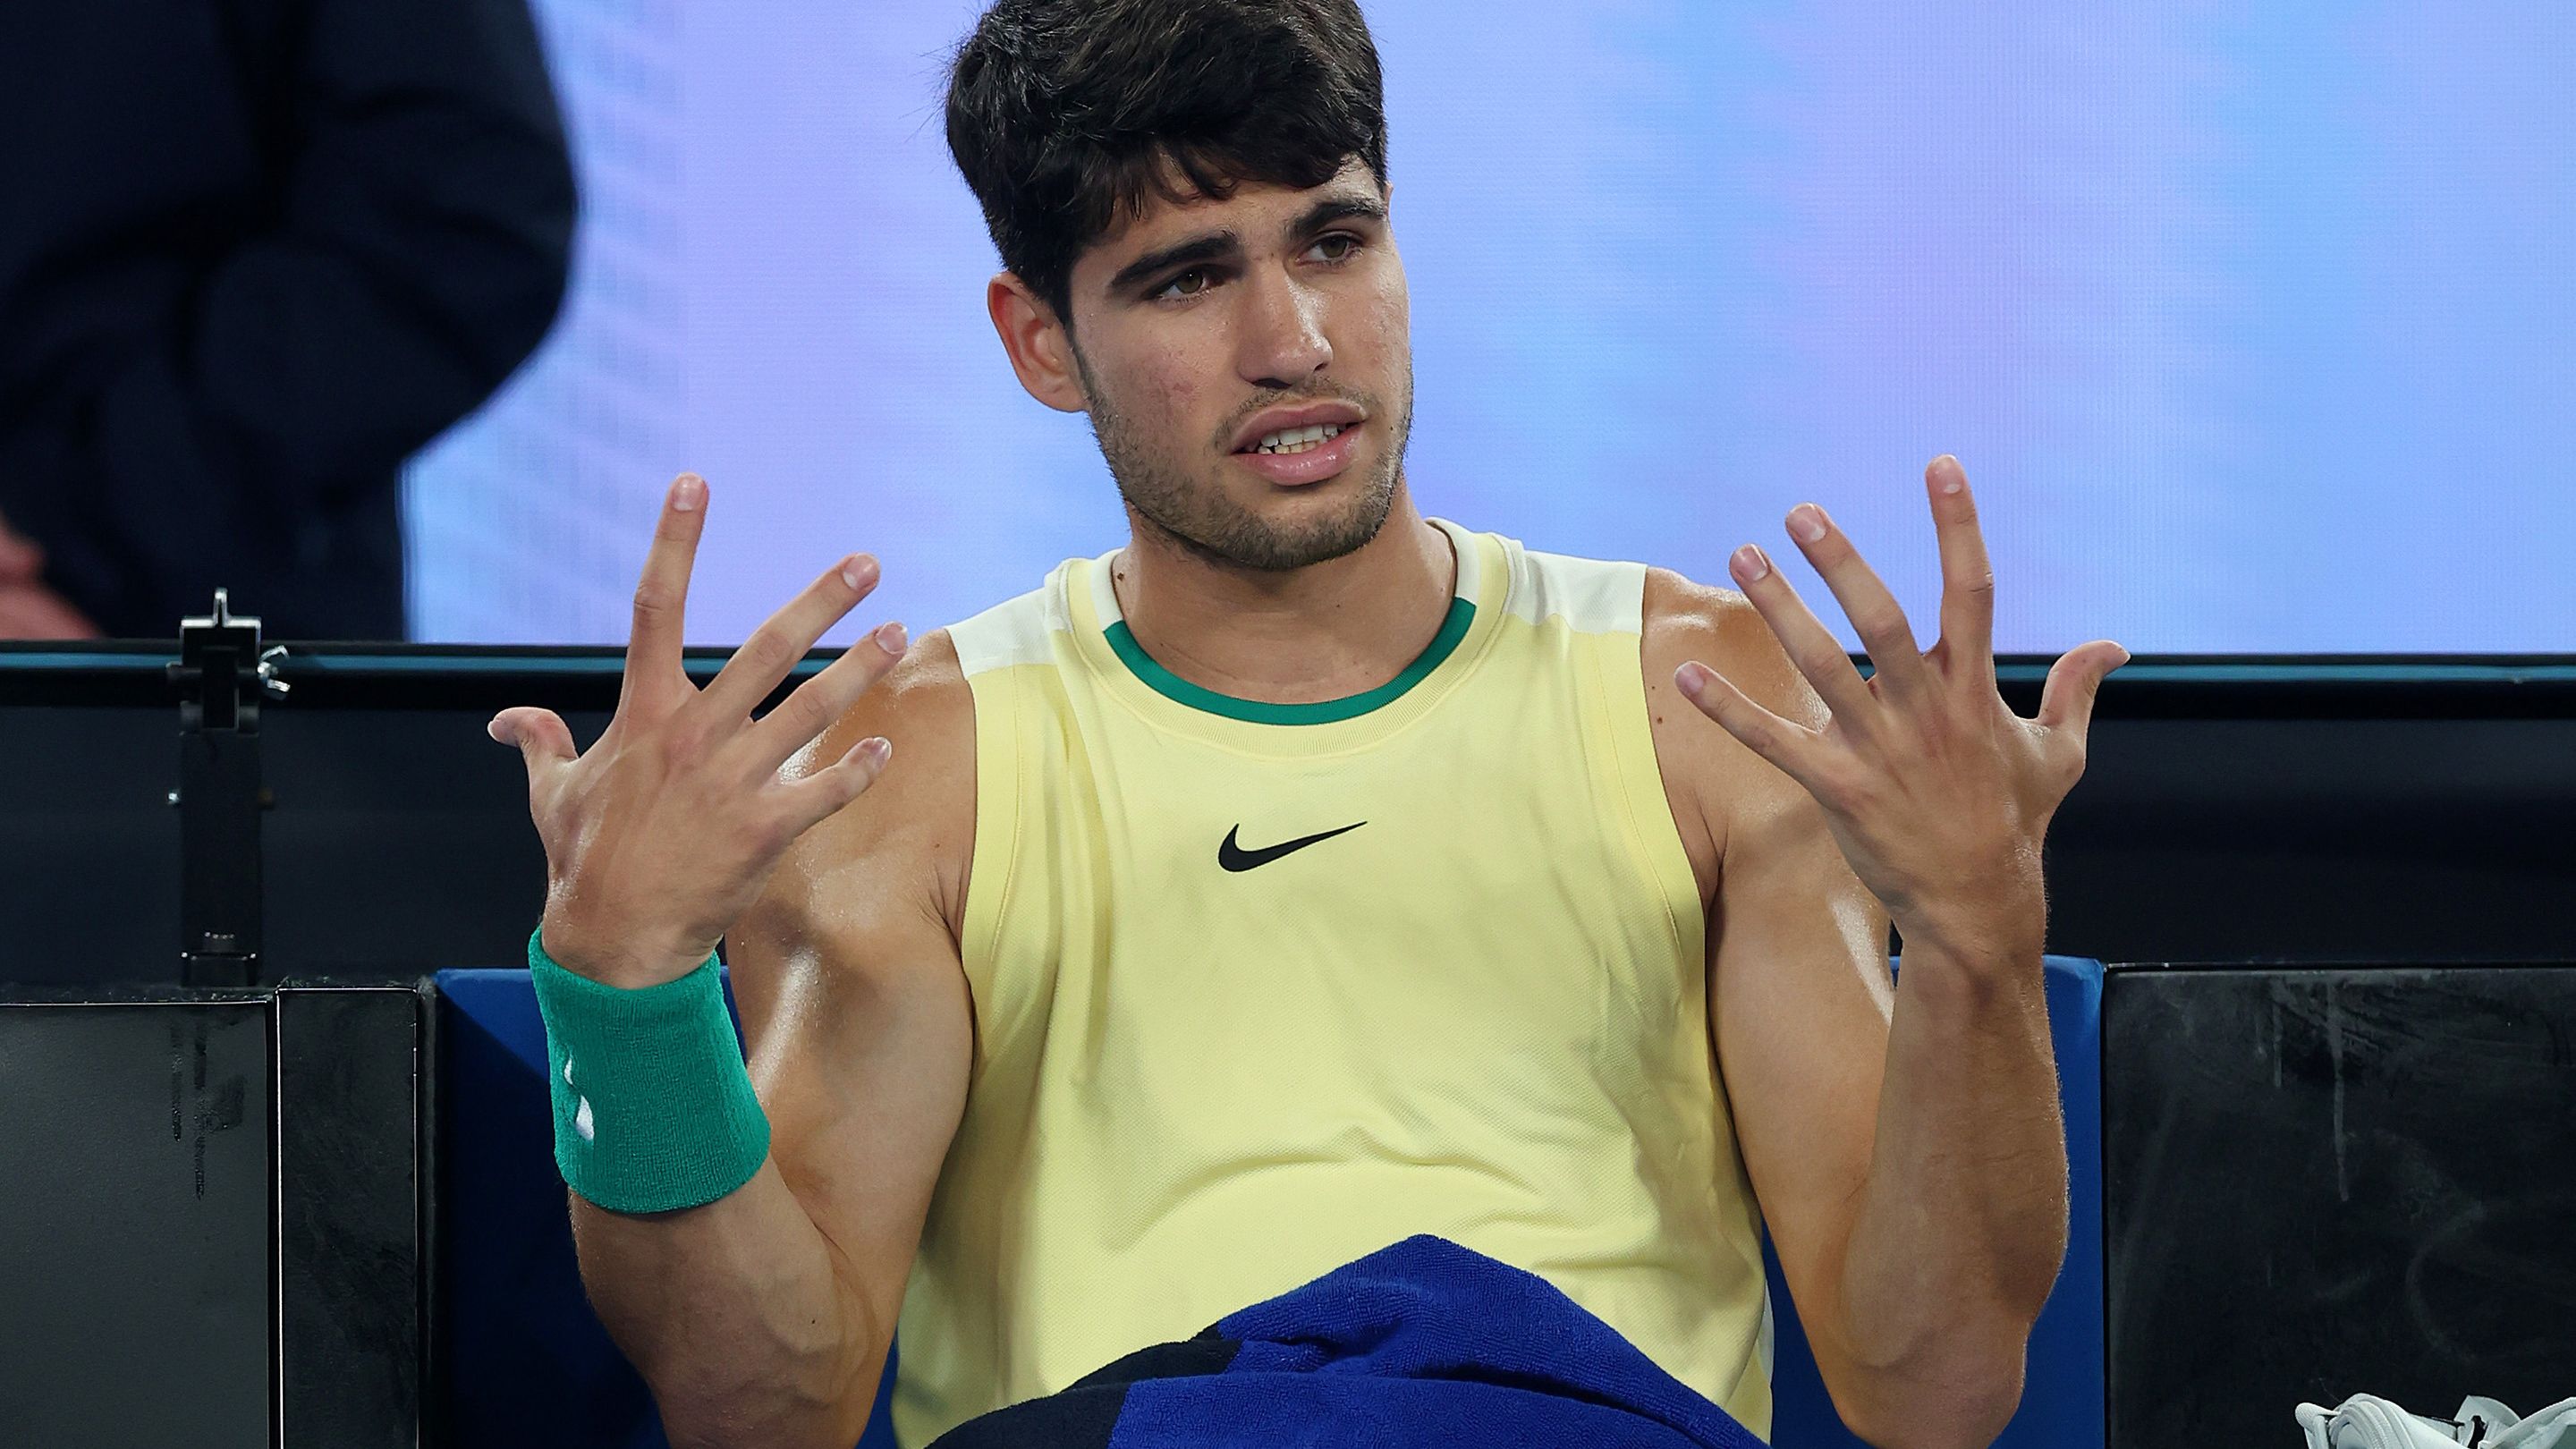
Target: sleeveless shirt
{"type": "Point", "coordinates": [1261, 988]}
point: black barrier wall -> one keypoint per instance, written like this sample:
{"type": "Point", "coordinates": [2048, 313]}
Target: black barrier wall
{"type": "Point", "coordinates": [135, 1244]}
{"type": "Point", "coordinates": [2324, 1182]}
{"type": "Point", "coordinates": [213, 1217]}
{"type": "Point", "coordinates": [2297, 811]}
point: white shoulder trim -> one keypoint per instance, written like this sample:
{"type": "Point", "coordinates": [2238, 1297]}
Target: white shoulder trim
{"type": "Point", "coordinates": [1016, 631]}
{"type": "Point", "coordinates": [1468, 547]}
{"type": "Point", "coordinates": [1593, 596]}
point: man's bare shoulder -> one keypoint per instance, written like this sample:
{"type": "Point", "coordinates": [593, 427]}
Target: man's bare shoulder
{"type": "Point", "coordinates": [906, 843]}
{"type": "Point", "coordinates": [923, 707]}
{"type": "Point", "coordinates": [1711, 781]}
{"type": "Point", "coordinates": [1718, 627]}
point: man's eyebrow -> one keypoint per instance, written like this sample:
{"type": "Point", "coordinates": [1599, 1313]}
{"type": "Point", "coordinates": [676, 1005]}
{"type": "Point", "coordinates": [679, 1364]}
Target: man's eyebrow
{"type": "Point", "coordinates": [1337, 208]}
{"type": "Point", "coordinates": [1214, 246]}
{"type": "Point", "coordinates": [1221, 245]}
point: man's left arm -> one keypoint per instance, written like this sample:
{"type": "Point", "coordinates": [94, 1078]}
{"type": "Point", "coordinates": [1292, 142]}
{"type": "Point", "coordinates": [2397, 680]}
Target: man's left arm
{"type": "Point", "coordinates": [1913, 1169]}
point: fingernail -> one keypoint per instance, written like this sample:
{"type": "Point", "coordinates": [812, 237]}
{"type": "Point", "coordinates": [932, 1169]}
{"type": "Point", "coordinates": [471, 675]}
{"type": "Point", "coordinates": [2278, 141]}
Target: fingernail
{"type": "Point", "coordinates": [1807, 521]}
{"type": "Point", "coordinates": [687, 492]}
{"type": "Point", "coordinates": [1955, 478]}
{"type": "Point", "coordinates": [1751, 564]}
{"type": "Point", "coordinates": [854, 570]}
{"type": "Point", "coordinates": [890, 638]}
{"type": "Point", "coordinates": [878, 750]}
{"type": "Point", "coordinates": [492, 727]}
{"type": "Point", "coordinates": [2124, 655]}
{"type": "Point", "coordinates": [1692, 678]}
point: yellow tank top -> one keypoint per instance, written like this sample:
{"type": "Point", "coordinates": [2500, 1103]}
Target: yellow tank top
{"type": "Point", "coordinates": [1209, 1067]}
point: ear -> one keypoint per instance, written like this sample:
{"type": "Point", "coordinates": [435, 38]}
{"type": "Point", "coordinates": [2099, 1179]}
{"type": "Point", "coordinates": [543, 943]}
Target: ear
{"type": "Point", "coordinates": [1041, 351]}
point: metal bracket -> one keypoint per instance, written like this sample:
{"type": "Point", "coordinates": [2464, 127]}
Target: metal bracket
{"type": "Point", "coordinates": [222, 675]}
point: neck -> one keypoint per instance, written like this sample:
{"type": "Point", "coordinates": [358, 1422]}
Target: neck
{"type": "Point", "coordinates": [1323, 632]}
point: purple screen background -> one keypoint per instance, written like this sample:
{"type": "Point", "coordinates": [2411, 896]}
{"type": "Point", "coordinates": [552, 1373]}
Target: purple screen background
{"type": "Point", "coordinates": [2255, 326]}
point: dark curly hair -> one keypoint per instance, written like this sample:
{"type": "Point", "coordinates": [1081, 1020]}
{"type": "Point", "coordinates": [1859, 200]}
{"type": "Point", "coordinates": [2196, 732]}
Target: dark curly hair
{"type": "Point", "coordinates": [1066, 115]}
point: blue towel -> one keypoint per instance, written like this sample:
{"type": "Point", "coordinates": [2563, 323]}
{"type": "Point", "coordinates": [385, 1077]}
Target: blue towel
{"type": "Point", "coordinates": [1422, 1343]}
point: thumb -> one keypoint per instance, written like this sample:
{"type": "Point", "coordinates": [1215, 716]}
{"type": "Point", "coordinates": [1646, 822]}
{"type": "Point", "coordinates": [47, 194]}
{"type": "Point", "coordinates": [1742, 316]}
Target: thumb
{"type": "Point", "coordinates": [2066, 701]}
{"type": "Point", "coordinates": [541, 735]}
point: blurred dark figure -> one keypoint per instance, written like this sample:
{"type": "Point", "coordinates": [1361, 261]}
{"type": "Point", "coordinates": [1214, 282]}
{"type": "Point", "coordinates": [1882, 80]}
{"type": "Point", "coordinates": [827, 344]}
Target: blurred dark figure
{"type": "Point", "coordinates": [254, 253]}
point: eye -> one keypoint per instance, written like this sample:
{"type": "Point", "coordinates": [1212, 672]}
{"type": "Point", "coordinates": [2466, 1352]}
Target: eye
{"type": "Point", "coordinates": [1339, 247]}
{"type": "Point", "coordinates": [1188, 284]}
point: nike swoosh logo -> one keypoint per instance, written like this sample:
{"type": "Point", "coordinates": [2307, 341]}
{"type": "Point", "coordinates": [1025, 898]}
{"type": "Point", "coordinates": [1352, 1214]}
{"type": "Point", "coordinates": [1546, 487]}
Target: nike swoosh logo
{"type": "Point", "coordinates": [1235, 857]}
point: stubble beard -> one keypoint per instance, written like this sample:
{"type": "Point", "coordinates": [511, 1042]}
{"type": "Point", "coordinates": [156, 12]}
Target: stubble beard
{"type": "Point", "coordinates": [1200, 517]}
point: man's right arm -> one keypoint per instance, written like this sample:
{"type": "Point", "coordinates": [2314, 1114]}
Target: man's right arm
{"type": "Point", "coordinates": [764, 1316]}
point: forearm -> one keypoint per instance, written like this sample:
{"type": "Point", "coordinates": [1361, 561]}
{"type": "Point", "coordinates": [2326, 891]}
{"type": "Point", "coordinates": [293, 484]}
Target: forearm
{"type": "Point", "coordinates": [1962, 1222]}
{"type": "Point", "coordinates": [1925, 1260]}
{"type": "Point", "coordinates": [764, 1209]}
{"type": "Point", "coordinates": [738, 1317]}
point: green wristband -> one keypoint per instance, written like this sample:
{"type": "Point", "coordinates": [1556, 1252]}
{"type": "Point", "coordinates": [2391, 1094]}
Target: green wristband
{"type": "Point", "coordinates": [653, 1106]}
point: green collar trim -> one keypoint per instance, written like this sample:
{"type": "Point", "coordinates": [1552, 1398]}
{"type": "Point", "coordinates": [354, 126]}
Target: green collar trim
{"type": "Point", "coordinates": [1164, 682]}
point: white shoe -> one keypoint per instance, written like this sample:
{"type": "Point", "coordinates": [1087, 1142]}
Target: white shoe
{"type": "Point", "coordinates": [2365, 1422]}
{"type": "Point", "coordinates": [2551, 1427]}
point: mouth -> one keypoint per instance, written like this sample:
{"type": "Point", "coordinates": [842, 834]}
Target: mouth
{"type": "Point", "coordinates": [1296, 456]}
{"type": "Point", "coordinates": [1288, 442]}
{"type": "Point", "coordinates": [1306, 443]}
{"type": "Point", "coordinates": [1276, 428]}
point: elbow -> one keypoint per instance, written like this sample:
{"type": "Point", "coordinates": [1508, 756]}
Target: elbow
{"type": "Point", "coordinates": [1958, 1393]}
{"type": "Point", "coordinates": [553, 215]}
{"type": "Point", "coordinates": [826, 1409]}
{"type": "Point", "coordinates": [485, 253]}
{"type": "Point", "coordinates": [816, 1393]}
{"type": "Point", "coordinates": [525, 262]}
{"type": "Point", "coordinates": [1973, 1419]}
{"type": "Point", "coordinates": [713, 1426]}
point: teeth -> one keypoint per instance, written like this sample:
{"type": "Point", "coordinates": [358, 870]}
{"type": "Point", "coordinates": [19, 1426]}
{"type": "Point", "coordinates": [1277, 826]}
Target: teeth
{"type": "Point", "coordinates": [1298, 440]}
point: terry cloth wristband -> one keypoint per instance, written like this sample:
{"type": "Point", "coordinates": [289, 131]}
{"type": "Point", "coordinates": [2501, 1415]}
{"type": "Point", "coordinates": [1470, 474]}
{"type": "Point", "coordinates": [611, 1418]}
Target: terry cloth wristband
{"type": "Point", "coordinates": [653, 1106]}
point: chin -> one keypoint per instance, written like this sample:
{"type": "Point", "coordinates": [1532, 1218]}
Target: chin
{"type": "Point", "coordinates": [1308, 504]}
{"type": "Point", "coordinates": [1339, 517]}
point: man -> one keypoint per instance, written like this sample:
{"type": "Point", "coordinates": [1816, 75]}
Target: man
{"type": "Point", "coordinates": [254, 253]}
{"type": "Point", "coordinates": [1304, 874]}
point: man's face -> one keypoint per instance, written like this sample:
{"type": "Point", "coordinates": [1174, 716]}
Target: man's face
{"type": "Point", "coordinates": [1203, 331]}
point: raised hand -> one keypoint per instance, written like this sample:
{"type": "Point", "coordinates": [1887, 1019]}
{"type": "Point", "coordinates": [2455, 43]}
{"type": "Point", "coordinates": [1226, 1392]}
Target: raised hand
{"type": "Point", "coordinates": [28, 608]}
{"type": "Point", "coordinates": [662, 834]}
{"type": "Point", "coordinates": [1938, 794]}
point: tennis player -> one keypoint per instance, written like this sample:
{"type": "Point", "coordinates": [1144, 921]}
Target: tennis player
{"type": "Point", "coordinates": [1300, 874]}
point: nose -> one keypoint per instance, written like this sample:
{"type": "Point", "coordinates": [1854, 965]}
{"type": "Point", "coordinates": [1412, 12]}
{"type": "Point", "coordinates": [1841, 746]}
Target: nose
{"type": "Point", "coordinates": [1281, 343]}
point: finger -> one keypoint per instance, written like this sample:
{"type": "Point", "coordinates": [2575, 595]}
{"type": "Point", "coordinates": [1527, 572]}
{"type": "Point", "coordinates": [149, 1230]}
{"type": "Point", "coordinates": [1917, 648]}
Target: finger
{"type": "Point", "coordinates": [773, 649]}
{"type": "Point", "coordinates": [815, 798]}
{"type": "Point", "coordinates": [31, 611]}
{"type": "Point", "coordinates": [21, 561]}
{"type": "Point", "coordinates": [1810, 645]}
{"type": "Point", "coordinates": [1874, 613]}
{"type": "Point", "coordinates": [2066, 701]}
{"type": "Point", "coordinates": [825, 697]}
{"type": "Point", "coordinates": [24, 615]}
{"type": "Point", "coordinates": [1785, 743]}
{"type": "Point", "coordinates": [653, 674]}
{"type": "Point", "coordinates": [1967, 578]}
{"type": "Point", "coordinates": [543, 739]}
